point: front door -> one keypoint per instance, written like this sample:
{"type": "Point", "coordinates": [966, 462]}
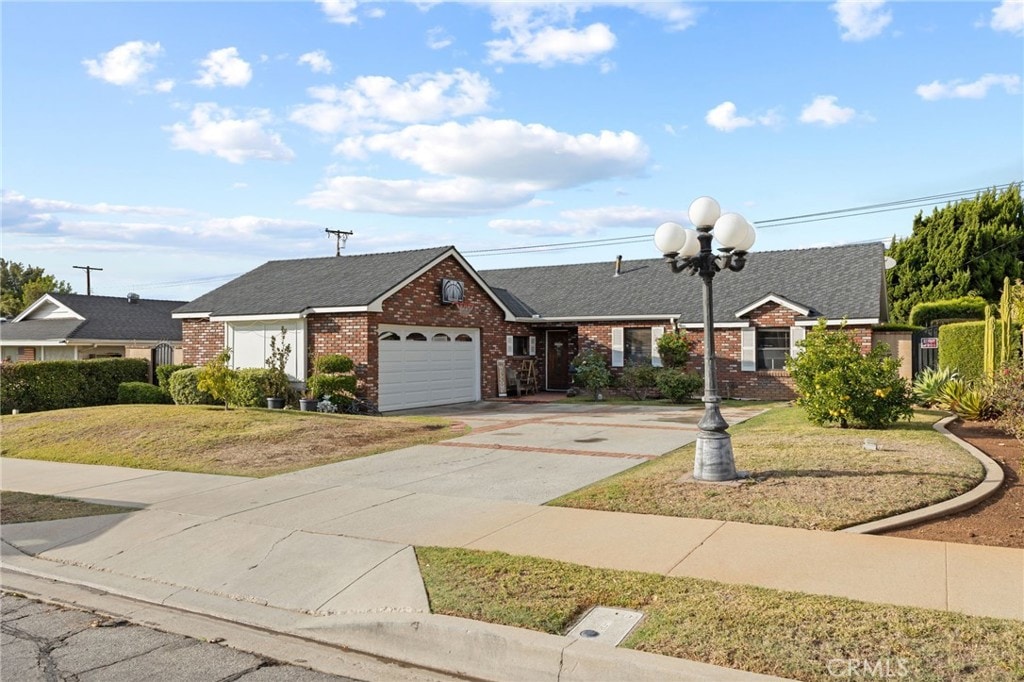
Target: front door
{"type": "Point", "coordinates": [557, 353]}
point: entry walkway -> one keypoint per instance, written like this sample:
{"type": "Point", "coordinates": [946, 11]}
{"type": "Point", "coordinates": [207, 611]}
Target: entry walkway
{"type": "Point", "coordinates": [327, 552]}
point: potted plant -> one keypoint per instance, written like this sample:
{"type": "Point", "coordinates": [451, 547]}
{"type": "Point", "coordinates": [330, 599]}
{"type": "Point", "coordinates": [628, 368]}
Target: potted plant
{"type": "Point", "coordinates": [278, 386]}
{"type": "Point", "coordinates": [309, 399]}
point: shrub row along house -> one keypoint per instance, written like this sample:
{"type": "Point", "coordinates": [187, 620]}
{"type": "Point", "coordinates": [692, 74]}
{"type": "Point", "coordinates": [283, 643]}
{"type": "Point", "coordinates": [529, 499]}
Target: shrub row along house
{"type": "Point", "coordinates": [425, 328]}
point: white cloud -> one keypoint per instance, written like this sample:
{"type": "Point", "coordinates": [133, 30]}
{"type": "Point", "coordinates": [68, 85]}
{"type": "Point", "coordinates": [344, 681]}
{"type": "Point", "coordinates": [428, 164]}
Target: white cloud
{"type": "Point", "coordinates": [371, 102]}
{"type": "Point", "coordinates": [376, 13]}
{"type": "Point", "coordinates": [317, 61]}
{"type": "Point", "coordinates": [438, 38]}
{"type": "Point", "coordinates": [224, 67]}
{"type": "Point", "coordinates": [677, 16]}
{"type": "Point", "coordinates": [619, 216]}
{"type": "Point", "coordinates": [1009, 17]}
{"type": "Point", "coordinates": [861, 19]}
{"type": "Point", "coordinates": [215, 130]}
{"type": "Point", "coordinates": [723, 117]}
{"type": "Point", "coordinates": [957, 89]}
{"type": "Point", "coordinates": [451, 197]}
{"type": "Point", "coordinates": [239, 185]}
{"type": "Point", "coordinates": [339, 11]}
{"type": "Point", "coordinates": [509, 151]}
{"type": "Point", "coordinates": [165, 85]}
{"type": "Point", "coordinates": [824, 110]}
{"type": "Point", "coordinates": [249, 225]}
{"type": "Point", "coordinates": [529, 227]}
{"type": "Point", "coordinates": [125, 64]}
{"type": "Point", "coordinates": [549, 46]}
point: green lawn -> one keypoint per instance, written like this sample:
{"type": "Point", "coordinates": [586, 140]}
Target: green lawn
{"type": "Point", "coordinates": [760, 630]}
{"type": "Point", "coordinates": [802, 475]}
{"type": "Point", "coordinates": [204, 439]}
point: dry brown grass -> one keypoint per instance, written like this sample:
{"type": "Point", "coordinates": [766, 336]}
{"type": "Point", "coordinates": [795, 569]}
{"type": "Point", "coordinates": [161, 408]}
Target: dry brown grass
{"type": "Point", "coordinates": [18, 507]}
{"type": "Point", "coordinates": [243, 442]}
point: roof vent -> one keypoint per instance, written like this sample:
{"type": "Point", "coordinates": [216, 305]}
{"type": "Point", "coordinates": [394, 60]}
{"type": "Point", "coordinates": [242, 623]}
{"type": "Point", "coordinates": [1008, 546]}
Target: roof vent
{"type": "Point", "coordinates": [133, 297]}
{"type": "Point", "coordinates": [618, 265]}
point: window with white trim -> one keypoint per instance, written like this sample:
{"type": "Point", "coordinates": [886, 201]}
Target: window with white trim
{"type": "Point", "coordinates": [636, 346]}
{"type": "Point", "coordinates": [520, 345]}
{"type": "Point", "coordinates": [772, 348]}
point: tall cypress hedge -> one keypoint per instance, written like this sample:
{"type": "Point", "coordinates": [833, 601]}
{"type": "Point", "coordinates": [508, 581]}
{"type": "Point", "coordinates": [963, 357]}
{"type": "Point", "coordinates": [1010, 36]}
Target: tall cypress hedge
{"type": "Point", "coordinates": [60, 384]}
{"type": "Point", "coordinates": [961, 347]}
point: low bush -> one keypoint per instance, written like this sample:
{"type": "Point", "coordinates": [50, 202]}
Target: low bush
{"type": "Point", "coordinates": [1007, 395]}
{"type": "Point", "coordinates": [674, 348]}
{"type": "Point", "coordinates": [142, 393]}
{"type": "Point", "coordinates": [184, 388]}
{"type": "Point", "coordinates": [164, 372]}
{"type": "Point", "coordinates": [677, 385]}
{"type": "Point", "coordinates": [59, 384]}
{"type": "Point", "coordinates": [639, 381]}
{"type": "Point", "coordinates": [252, 387]}
{"type": "Point", "coordinates": [591, 373]}
{"type": "Point", "coordinates": [333, 363]}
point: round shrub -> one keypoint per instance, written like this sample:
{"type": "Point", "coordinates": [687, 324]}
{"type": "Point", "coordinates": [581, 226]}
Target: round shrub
{"type": "Point", "coordinates": [333, 363]}
{"type": "Point", "coordinates": [252, 387]}
{"type": "Point", "coordinates": [333, 385]}
{"type": "Point", "coordinates": [638, 381]}
{"type": "Point", "coordinates": [164, 372]}
{"type": "Point", "coordinates": [184, 388]}
{"type": "Point", "coordinates": [677, 385]}
{"type": "Point", "coordinates": [674, 348]}
{"type": "Point", "coordinates": [142, 393]}
{"type": "Point", "coordinates": [591, 372]}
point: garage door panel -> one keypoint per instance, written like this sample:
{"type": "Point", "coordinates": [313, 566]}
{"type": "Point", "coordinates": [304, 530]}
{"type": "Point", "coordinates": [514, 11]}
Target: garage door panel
{"type": "Point", "coordinates": [438, 371]}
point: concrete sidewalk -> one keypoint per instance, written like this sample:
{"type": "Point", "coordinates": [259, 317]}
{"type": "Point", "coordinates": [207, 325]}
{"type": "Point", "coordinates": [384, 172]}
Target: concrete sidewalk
{"type": "Point", "coordinates": [326, 553]}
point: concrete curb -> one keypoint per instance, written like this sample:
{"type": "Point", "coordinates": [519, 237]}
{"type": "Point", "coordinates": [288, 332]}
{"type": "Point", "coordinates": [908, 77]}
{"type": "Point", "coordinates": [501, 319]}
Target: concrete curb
{"type": "Point", "coordinates": [988, 487]}
{"type": "Point", "coordinates": [420, 643]}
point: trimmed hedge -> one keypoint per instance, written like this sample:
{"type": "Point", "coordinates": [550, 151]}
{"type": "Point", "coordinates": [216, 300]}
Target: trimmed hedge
{"type": "Point", "coordinates": [61, 384]}
{"type": "Point", "coordinates": [164, 372]}
{"type": "Point", "coordinates": [963, 308]}
{"type": "Point", "coordinates": [961, 347]}
{"type": "Point", "coordinates": [896, 327]}
{"type": "Point", "coordinates": [252, 386]}
{"type": "Point", "coordinates": [333, 363]}
{"type": "Point", "coordinates": [142, 393]}
{"type": "Point", "coordinates": [184, 388]}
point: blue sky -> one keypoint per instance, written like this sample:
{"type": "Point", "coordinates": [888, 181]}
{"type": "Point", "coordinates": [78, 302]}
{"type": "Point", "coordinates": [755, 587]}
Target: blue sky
{"type": "Point", "coordinates": [176, 145]}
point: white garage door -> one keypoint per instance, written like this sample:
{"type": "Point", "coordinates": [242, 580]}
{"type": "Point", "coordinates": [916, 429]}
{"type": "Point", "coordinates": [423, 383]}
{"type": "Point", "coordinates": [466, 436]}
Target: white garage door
{"type": "Point", "coordinates": [422, 366]}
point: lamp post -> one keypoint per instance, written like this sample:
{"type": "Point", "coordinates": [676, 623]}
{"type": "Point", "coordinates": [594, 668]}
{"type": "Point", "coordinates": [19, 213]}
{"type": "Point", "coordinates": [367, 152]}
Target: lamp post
{"type": "Point", "coordinates": [690, 251]}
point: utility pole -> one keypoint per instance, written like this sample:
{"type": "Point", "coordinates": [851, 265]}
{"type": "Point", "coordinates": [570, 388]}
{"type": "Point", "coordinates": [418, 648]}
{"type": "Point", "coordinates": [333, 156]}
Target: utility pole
{"type": "Point", "coordinates": [340, 236]}
{"type": "Point", "coordinates": [88, 276]}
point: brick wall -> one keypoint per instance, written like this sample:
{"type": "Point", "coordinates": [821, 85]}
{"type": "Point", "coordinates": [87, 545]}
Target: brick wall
{"type": "Point", "coordinates": [201, 340]}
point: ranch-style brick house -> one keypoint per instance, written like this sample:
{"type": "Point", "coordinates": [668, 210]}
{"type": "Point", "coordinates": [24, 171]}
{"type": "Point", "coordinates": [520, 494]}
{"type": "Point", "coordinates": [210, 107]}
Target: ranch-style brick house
{"type": "Point", "coordinates": [425, 328]}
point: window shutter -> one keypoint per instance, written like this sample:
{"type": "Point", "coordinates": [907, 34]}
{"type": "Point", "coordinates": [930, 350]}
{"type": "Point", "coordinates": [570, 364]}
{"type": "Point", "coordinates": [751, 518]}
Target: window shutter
{"type": "Point", "coordinates": [618, 346]}
{"type": "Point", "coordinates": [748, 349]}
{"type": "Point", "coordinates": [656, 333]}
{"type": "Point", "coordinates": [796, 334]}
{"type": "Point", "coordinates": [533, 345]}
{"type": "Point", "coordinates": [510, 346]}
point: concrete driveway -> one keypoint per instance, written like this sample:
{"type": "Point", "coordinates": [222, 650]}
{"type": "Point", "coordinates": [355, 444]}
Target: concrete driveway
{"type": "Point", "coordinates": [528, 453]}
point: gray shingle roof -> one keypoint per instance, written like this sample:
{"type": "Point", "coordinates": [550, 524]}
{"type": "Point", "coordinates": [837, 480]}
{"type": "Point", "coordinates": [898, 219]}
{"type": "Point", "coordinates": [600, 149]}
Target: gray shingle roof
{"type": "Point", "coordinates": [107, 318]}
{"type": "Point", "coordinates": [835, 282]}
{"type": "Point", "coordinates": [291, 286]}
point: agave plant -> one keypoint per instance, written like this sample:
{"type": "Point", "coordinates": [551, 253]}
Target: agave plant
{"type": "Point", "coordinates": [928, 385]}
{"type": "Point", "coordinates": [973, 403]}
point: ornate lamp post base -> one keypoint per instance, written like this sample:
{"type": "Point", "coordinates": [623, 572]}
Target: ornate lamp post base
{"type": "Point", "coordinates": [714, 460]}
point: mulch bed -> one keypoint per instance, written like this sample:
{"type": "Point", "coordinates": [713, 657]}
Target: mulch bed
{"type": "Point", "coordinates": [999, 520]}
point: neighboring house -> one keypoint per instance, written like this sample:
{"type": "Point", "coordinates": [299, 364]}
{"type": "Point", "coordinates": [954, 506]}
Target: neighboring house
{"type": "Point", "coordinates": [392, 313]}
{"type": "Point", "coordinates": [79, 327]}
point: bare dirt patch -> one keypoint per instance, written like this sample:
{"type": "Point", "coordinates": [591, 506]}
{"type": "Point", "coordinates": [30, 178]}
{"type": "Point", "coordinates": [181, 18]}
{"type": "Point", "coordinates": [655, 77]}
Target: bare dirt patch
{"type": "Point", "coordinates": [999, 520]}
{"type": "Point", "coordinates": [16, 507]}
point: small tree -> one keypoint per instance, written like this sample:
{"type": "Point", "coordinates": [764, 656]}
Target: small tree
{"type": "Point", "coordinates": [217, 379]}
{"type": "Point", "coordinates": [674, 348]}
{"type": "Point", "coordinates": [591, 372]}
{"type": "Point", "coordinates": [837, 384]}
{"type": "Point", "coordinates": [276, 362]}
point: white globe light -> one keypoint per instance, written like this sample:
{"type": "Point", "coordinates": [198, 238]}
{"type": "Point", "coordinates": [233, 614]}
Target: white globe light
{"type": "Point", "coordinates": [730, 230]}
{"type": "Point", "coordinates": [749, 240]}
{"type": "Point", "coordinates": [670, 237]}
{"type": "Point", "coordinates": [692, 245]}
{"type": "Point", "coordinates": [704, 211]}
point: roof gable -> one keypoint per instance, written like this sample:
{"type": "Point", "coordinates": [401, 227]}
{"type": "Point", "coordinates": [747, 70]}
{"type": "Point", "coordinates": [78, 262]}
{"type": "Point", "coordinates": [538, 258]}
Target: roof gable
{"type": "Point", "coordinates": [773, 298]}
{"type": "Point", "coordinates": [337, 284]}
{"type": "Point", "coordinates": [99, 318]}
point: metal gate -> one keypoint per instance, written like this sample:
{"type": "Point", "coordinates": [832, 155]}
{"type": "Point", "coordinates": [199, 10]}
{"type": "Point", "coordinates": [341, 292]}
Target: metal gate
{"type": "Point", "coordinates": [163, 354]}
{"type": "Point", "coordinates": [926, 349]}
